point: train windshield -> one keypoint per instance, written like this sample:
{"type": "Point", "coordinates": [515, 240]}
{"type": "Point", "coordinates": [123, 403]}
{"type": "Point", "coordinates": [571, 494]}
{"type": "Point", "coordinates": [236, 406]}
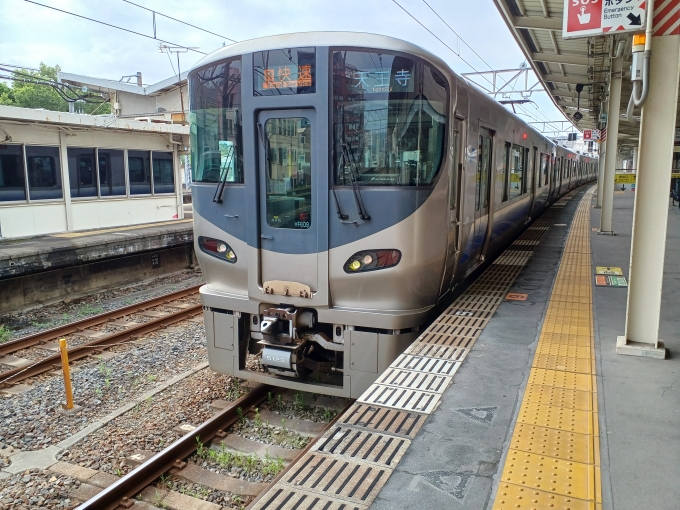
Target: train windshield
{"type": "Point", "coordinates": [389, 119]}
{"type": "Point", "coordinates": [216, 138]}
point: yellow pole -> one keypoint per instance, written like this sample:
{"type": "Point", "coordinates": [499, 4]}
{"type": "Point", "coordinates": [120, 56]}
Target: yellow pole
{"type": "Point", "coordinates": [67, 373]}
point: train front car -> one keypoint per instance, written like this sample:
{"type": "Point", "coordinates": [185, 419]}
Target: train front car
{"type": "Point", "coordinates": [322, 211]}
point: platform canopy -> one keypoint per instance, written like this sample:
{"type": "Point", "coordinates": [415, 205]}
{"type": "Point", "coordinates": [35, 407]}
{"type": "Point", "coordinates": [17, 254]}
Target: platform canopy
{"type": "Point", "coordinates": [561, 64]}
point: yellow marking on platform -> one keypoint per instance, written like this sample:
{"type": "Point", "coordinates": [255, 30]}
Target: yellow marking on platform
{"type": "Point", "coordinates": [119, 229]}
{"type": "Point", "coordinates": [554, 456]}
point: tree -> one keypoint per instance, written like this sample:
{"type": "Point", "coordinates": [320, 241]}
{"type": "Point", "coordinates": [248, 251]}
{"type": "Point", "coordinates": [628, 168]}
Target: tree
{"type": "Point", "coordinates": [26, 93]}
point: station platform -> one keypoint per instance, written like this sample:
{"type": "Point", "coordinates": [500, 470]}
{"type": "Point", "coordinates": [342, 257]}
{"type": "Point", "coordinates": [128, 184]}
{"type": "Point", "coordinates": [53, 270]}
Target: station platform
{"type": "Point", "coordinates": [543, 413]}
{"type": "Point", "coordinates": [514, 398]}
{"type": "Point", "coordinates": [42, 268]}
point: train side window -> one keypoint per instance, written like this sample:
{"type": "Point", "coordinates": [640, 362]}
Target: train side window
{"type": "Point", "coordinates": [138, 169]}
{"type": "Point", "coordinates": [81, 172]}
{"type": "Point", "coordinates": [12, 179]}
{"type": "Point", "coordinates": [545, 166]}
{"type": "Point", "coordinates": [480, 163]}
{"type": "Point", "coordinates": [163, 172]}
{"type": "Point", "coordinates": [517, 169]}
{"type": "Point", "coordinates": [506, 170]}
{"type": "Point", "coordinates": [44, 173]}
{"type": "Point", "coordinates": [455, 166]}
{"type": "Point", "coordinates": [111, 172]}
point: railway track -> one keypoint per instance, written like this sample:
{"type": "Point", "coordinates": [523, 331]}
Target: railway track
{"type": "Point", "coordinates": [121, 494]}
{"type": "Point", "coordinates": [128, 330]}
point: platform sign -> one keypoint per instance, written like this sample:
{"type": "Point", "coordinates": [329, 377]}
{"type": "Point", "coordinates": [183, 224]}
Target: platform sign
{"type": "Point", "coordinates": [587, 134]}
{"type": "Point", "coordinates": [610, 281]}
{"type": "Point", "coordinates": [586, 18]}
{"type": "Point", "coordinates": [625, 178]}
{"type": "Point", "coordinates": [606, 270]}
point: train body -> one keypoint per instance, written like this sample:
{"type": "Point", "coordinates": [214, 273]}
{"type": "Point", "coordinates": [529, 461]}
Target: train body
{"type": "Point", "coordinates": [344, 184]}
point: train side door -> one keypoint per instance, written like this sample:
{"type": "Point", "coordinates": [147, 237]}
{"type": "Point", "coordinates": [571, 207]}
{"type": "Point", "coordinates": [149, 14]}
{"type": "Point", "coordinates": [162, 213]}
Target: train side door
{"type": "Point", "coordinates": [483, 178]}
{"type": "Point", "coordinates": [288, 190]}
{"type": "Point", "coordinates": [455, 178]}
{"type": "Point", "coordinates": [535, 176]}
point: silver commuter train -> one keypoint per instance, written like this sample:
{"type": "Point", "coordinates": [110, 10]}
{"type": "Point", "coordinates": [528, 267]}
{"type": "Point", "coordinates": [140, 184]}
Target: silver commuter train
{"type": "Point", "coordinates": [344, 184]}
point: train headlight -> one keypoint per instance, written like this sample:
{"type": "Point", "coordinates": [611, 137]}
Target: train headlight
{"type": "Point", "coordinates": [216, 248]}
{"type": "Point", "coordinates": [371, 260]}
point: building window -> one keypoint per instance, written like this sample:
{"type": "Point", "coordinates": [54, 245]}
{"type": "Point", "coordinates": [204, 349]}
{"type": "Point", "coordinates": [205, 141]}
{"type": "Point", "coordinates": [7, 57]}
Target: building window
{"type": "Point", "coordinates": [44, 173]}
{"type": "Point", "coordinates": [138, 169]}
{"type": "Point", "coordinates": [111, 172]}
{"type": "Point", "coordinates": [12, 180]}
{"type": "Point", "coordinates": [82, 172]}
{"type": "Point", "coordinates": [163, 175]}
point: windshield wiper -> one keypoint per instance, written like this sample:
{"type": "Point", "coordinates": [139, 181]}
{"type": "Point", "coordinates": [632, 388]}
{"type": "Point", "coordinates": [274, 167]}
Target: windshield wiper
{"type": "Point", "coordinates": [348, 156]}
{"type": "Point", "coordinates": [219, 191]}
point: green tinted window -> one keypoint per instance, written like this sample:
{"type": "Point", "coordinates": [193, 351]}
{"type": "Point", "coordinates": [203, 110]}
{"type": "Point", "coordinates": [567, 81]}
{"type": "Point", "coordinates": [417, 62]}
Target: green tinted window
{"type": "Point", "coordinates": [288, 172]}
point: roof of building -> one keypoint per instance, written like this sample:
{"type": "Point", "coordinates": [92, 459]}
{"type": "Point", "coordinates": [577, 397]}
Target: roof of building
{"type": "Point", "coordinates": [78, 121]}
{"type": "Point", "coordinates": [104, 85]}
{"type": "Point", "coordinates": [561, 64]}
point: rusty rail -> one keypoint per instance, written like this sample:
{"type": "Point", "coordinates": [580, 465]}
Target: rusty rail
{"type": "Point", "coordinates": [122, 491]}
{"type": "Point", "coordinates": [95, 320]}
{"type": "Point", "coordinates": [46, 364]}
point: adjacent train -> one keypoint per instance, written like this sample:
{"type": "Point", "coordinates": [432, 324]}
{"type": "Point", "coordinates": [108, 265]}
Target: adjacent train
{"type": "Point", "coordinates": [344, 184]}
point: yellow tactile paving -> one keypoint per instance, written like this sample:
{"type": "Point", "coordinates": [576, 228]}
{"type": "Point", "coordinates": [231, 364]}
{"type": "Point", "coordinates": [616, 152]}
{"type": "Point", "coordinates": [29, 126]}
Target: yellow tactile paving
{"type": "Point", "coordinates": [554, 455]}
{"type": "Point", "coordinates": [516, 497]}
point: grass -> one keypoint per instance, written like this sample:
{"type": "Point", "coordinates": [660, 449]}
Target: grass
{"type": "Point", "coordinates": [5, 334]}
{"type": "Point", "coordinates": [250, 464]}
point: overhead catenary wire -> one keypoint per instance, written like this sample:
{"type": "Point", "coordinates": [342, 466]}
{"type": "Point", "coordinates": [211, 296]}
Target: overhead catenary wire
{"type": "Point", "coordinates": [521, 107]}
{"type": "Point", "coordinates": [439, 39]}
{"type": "Point", "coordinates": [180, 21]}
{"type": "Point", "coordinates": [114, 26]}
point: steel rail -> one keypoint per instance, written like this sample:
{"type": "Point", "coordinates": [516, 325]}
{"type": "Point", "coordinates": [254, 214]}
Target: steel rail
{"type": "Point", "coordinates": [95, 320]}
{"type": "Point", "coordinates": [136, 480]}
{"type": "Point", "coordinates": [44, 365]}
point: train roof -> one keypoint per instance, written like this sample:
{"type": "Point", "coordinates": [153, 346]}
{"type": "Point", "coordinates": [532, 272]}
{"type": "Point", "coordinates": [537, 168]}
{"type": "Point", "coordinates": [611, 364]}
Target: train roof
{"type": "Point", "coordinates": [303, 39]}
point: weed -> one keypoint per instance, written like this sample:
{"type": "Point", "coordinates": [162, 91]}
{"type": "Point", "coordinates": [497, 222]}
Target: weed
{"type": "Point", "coordinates": [199, 493]}
{"type": "Point", "coordinates": [118, 472]}
{"type": "Point", "coordinates": [158, 500]}
{"type": "Point", "coordinates": [299, 401]}
{"type": "Point", "coordinates": [328, 414]}
{"type": "Point", "coordinates": [105, 372]}
{"type": "Point", "coordinates": [165, 480]}
{"type": "Point", "coordinates": [241, 416]}
{"type": "Point", "coordinates": [248, 463]}
{"type": "Point", "coordinates": [258, 419]}
{"type": "Point", "coordinates": [98, 391]}
{"type": "Point", "coordinates": [152, 377]}
{"type": "Point", "coordinates": [5, 334]}
{"type": "Point", "coordinates": [88, 310]}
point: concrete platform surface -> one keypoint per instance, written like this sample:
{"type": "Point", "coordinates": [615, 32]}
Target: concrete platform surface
{"type": "Point", "coordinates": [456, 460]}
{"type": "Point", "coordinates": [29, 255]}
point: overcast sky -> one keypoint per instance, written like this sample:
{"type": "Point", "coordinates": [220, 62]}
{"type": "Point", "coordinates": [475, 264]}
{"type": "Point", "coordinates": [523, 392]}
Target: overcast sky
{"type": "Point", "coordinates": [30, 34]}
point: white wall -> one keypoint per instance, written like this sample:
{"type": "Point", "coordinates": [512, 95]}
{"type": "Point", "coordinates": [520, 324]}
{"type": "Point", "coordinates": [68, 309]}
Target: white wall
{"type": "Point", "coordinates": [19, 219]}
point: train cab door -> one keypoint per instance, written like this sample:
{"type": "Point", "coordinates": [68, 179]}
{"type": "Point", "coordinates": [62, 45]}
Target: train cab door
{"type": "Point", "coordinates": [288, 194]}
{"type": "Point", "coordinates": [455, 177]}
{"type": "Point", "coordinates": [483, 180]}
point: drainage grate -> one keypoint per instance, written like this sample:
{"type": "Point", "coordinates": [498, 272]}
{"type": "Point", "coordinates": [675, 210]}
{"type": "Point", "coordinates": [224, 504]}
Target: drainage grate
{"type": "Point", "coordinates": [285, 498]}
{"type": "Point", "coordinates": [454, 330]}
{"type": "Point", "coordinates": [382, 419]}
{"type": "Point", "coordinates": [338, 478]}
{"type": "Point", "coordinates": [428, 365]}
{"type": "Point", "coordinates": [400, 398]}
{"type": "Point", "coordinates": [438, 351]}
{"type": "Point", "coordinates": [414, 380]}
{"type": "Point", "coordinates": [363, 445]}
{"type": "Point", "coordinates": [462, 320]}
{"type": "Point", "coordinates": [446, 340]}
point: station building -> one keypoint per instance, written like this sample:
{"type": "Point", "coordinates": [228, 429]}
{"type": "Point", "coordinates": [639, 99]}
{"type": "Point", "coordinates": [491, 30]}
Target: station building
{"type": "Point", "coordinates": [63, 172]}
